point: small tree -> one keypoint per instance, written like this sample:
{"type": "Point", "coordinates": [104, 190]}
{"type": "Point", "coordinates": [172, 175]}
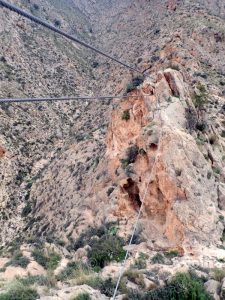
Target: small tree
{"type": "Point", "coordinates": [200, 98]}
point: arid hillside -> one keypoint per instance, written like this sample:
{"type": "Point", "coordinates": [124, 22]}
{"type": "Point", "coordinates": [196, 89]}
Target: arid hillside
{"type": "Point", "coordinates": [75, 174]}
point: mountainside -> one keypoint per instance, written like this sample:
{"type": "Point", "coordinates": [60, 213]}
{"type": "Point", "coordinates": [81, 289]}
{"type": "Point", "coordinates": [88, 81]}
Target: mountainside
{"type": "Point", "coordinates": [75, 174]}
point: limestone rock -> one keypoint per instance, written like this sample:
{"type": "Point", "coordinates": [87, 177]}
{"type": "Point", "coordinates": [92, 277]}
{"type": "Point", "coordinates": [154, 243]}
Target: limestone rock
{"type": "Point", "coordinates": [212, 287]}
{"type": "Point", "coordinates": [222, 294]}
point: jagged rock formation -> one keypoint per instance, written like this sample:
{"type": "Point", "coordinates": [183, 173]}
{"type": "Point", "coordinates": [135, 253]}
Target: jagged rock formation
{"type": "Point", "coordinates": [66, 167]}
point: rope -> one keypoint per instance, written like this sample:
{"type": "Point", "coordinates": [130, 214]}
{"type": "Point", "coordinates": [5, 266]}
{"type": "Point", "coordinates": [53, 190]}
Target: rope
{"type": "Point", "coordinates": [57, 30]}
{"type": "Point", "coordinates": [138, 216]}
{"type": "Point", "coordinates": [14, 100]}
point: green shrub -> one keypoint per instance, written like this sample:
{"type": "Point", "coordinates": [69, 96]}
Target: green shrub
{"type": "Point", "coordinates": [26, 210]}
{"type": "Point", "coordinates": [174, 67]}
{"type": "Point", "coordinates": [140, 262]}
{"type": "Point", "coordinates": [136, 81]}
{"type": "Point", "coordinates": [57, 23]}
{"type": "Point", "coordinates": [15, 245]}
{"type": "Point", "coordinates": [126, 115]}
{"type": "Point", "coordinates": [131, 155]}
{"type": "Point", "coordinates": [158, 259]}
{"type": "Point", "coordinates": [71, 269]}
{"type": "Point", "coordinates": [36, 6]}
{"type": "Point", "coordinates": [135, 295]}
{"type": "Point", "coordinates": [18, 260]}
{"type": "Point", "coordinates": [217, 170]}
{"type": "Point", "coordinates": [171, 254]}
{"type": "Point", "coordinates": [82, 296]}
{"type": "Point", "coordinates": [200, 97]}
{"type": "Point", "coordinates": [106, 249]}
{"type": "Point", "coordinates": [2, 270]}
{"type": "Point", "coordinates": [106, 286]}
{"type": "Point", "coordinates": [48, 261]}
{"type": "Point", "coordinates": [86, 236]}
{"type": "Point", "coordinates": [19, 292]}
{"type": "Point", "coordinates": [201, 126]}
{"type": "Point", "coordinates": [184, 286]}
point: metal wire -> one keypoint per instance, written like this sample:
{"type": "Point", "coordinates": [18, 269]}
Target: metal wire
{"type": "Point", "coordinates": [19, 100]}
{"type": "Point", "coordinates": [57, 30]}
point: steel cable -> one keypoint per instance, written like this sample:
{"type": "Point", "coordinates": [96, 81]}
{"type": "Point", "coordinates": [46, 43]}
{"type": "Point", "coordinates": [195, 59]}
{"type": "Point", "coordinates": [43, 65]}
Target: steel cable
{"type": "Point", "coordinates": [57, 30]}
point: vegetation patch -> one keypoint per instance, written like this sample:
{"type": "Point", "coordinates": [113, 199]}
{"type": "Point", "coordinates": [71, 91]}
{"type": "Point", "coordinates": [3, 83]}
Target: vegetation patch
{"type": "Point", "coordinates": [106, 246]}
{"type": "Point", "coordinates": [105, 286]}
{"type": "Point", "coordinates": [200, 97]}
{"type": "Point", "coordinates": [184, 286]}
{"type": "Point", "coordinates": [136, 81]}
{"type": "Point", "coordinates": [49, 260]}
{"type": "Point", "coordinates": [41, 280]}
{"type": "Point", "coordinates": [72, 270]}
{"type": "Point", "coordinates": [18, 291]}
{"type": "Point", "coordinates": [82, 296]}
{"type": "Point", "coordinates": [174, 67]}
{"type": "Point", "coordinates": [18, 260]}
{"type": "Point", "coordinates": [106, 249]}
{"type": "Point", "coordinates": [135, 277]}
{"type": "Point", "coordinates": [26, 210]}
{"type": "Point", "coordinates": [87, 235]}
{"type": "Point", "coordinates": [131, 155]}
{"type": "Point", "coordinates": [171, 254]}
{"type": "Point", "coordinates": [158, 259]}
{"type": "Point", "coordinates": [126, 115]}
{"type": "Point", "coordinates": [219, 274]}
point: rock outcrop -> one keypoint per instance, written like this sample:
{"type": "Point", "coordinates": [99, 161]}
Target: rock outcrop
{"type": "Point", "coordinates": [180, 204]}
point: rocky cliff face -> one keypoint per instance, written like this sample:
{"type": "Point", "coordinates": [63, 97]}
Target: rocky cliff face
{"type": "Point", "coordinates": [67, 167]}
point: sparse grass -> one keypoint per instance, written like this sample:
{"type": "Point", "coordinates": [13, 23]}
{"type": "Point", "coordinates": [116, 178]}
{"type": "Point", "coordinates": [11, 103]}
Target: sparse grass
{"type": "Point", "coordinates": [17, 291]}
{"type": "Point", "coordinates": [41, 280]}
{"type": "Point", "coordinates": [218, 274]}
{"type": "Point", "coordinates": [135, 277]}
{"type": "Point", "coordinates": [82, 296]}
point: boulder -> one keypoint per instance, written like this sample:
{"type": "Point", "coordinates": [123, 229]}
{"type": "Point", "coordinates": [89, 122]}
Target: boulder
{"type": "Point", "coordinates": [212, 287]}
{"type": "Point", "coordinates": [222, 293]}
